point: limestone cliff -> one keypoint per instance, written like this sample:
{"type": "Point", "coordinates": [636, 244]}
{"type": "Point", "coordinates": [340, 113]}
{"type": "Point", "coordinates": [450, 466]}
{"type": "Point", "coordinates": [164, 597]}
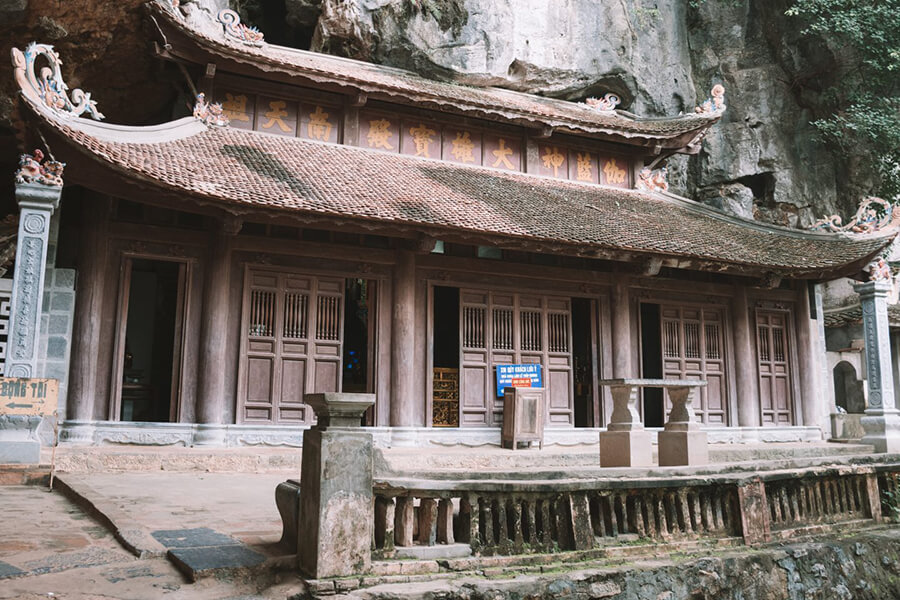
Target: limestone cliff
{"type": "Point", "coordinates": [661, 56]}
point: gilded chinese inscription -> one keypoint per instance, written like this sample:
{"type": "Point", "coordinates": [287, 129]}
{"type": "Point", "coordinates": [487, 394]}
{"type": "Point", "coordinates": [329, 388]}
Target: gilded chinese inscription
{"type": "Point", "coordinates": [379, 134]}
{"type": "Point", "coordinates": [584, 167]}
{"type": "Point", "coordinates": [502, 154]}
{"type": "Point", "coordinates": [615, 175]}
{"type": "Point", "coordinates": [235, 108]}
{"type": "Point", "coordinates": [553, 159]}
{"type": "Point", "coordinates": [318, 128]}
{"type": "Point", "coordinates": [423, 138]}
{"type": "Point", "coordinates": [276, 115]}
{"type": "Point", "coordinates": [463, 147]}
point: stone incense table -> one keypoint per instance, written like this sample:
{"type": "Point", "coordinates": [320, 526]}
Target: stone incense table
{"type": "Point", "coordinates": [683, 442]}
{"type": "Point", "coordinates": [335, 524]}
{"type": "Point", "coordinates": [626, 443]}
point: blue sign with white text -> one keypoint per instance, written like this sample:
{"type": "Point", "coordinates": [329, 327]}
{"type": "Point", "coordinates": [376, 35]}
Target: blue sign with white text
{"type": "Point", "coordinates": [518, 376]}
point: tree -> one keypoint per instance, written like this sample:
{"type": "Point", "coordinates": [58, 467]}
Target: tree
{"type": "Point", "coordinates": [865, 115]}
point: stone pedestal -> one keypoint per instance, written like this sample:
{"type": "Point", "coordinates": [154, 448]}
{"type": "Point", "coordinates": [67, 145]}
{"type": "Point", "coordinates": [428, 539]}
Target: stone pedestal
{"type": "Point", "coordinates": [336, 517]}
{"type": "Point", "coordinates": [882, 419]}
{"type": "Point", "coordinates": [18, 434]}
{"type": "Point", "coordinates": [625, 443]}
{"type": "Point", "coordinates": [683, 442]}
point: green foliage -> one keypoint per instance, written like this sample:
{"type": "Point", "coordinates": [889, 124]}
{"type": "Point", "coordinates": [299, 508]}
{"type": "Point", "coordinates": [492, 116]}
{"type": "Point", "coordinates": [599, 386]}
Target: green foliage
{"type": "Point", "coordinates": [865, 119]}
{"type": "Point", "coordinates": [890, 505]}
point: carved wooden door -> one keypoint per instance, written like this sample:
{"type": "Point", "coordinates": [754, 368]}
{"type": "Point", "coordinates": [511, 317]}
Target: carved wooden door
{"type": "Point", "coordinates": [504, 328]}
{"type": "Point", "coordinates": [292, 329]}
{"type": "Point", "coordinates": [776, 406]}
{"type": "Point", "coordinates": [693, 344]}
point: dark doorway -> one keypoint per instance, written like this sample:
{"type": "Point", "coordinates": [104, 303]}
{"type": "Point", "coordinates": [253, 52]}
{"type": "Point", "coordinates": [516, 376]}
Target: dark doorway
{"type": "Point", "coordinates": [154, 314]}
{"type": "Point", "coordinates": [445, 357]}
{"type": "Point", "coordinates": [584, 361]}
{"type": "Point", "coordinates": [651, 364]}
{"type": "Point", "coordinates": [356, 377]}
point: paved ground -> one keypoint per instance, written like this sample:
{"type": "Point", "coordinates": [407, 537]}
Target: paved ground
{"type": "Point", "coordinates": [50, 548]}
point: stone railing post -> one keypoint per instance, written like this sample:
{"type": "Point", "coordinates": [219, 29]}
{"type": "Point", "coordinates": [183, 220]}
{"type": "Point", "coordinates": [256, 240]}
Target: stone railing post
{"type": "Point", "coordinates": [625, 443]}
{"type": "Point", "coordinates": [18, 440]}
{"type": "Point", "coordinates": [882, 419]}
{"type": "Point", "coordinates": [336, 520]}
{"type": "Point", "coordinates": [683, 442]}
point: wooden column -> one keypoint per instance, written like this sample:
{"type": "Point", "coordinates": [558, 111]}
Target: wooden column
{"type": "Point", "coordinates": [403, 341]}
{"type": "Point", "coordinates": [92, 274]}
{"type": "Point", "coordinates": [806, 362]}
{"type": "Point", "coordinates": [621, 329]}
{"type": "Point", "coordinates": [213, 359]}
{"type": "Point", "coordinates": [745, 364]}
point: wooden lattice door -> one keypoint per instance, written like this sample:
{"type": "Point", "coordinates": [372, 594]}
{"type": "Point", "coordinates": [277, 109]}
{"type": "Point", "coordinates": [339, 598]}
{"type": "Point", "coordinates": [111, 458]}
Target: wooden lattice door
{"type": "Point", "coordinates": [776, 406]}
{"type": "Point", "coordinates": [501, 328]}
{"type": "Point", "coordinates": [292, 329]}
{"type": "Point", "coordinates": [693, 345]}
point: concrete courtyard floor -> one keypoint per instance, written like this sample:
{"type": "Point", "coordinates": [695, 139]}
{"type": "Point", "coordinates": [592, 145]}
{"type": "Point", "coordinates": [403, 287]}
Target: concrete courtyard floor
{"type": "Point", "coordinates": [52, 548]}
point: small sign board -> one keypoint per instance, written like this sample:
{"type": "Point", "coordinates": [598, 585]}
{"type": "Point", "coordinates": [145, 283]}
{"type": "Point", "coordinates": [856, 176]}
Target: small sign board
{"type": "Point", "coordinates": [30, 397]}
{"type": "Point", "coordinates": [518, 376]}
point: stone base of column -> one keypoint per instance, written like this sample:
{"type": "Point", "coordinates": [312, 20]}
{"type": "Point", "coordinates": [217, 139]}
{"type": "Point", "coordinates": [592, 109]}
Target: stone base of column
{"type": "Point", "coordinates": [77, 433]}
{"type": "Point", "coordinates": [19, 444]}
{"type": "Point", "coordinates": [626, 449]}
{"type": "Point", "coordinates": [683, 448]}
{"type": "Point", "coordinates": [882, 431]}
{"type": "Point", "coordinates": [209, 435]}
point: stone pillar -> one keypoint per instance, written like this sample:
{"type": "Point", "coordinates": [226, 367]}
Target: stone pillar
{"type": "Point", "coordinates": [745, 363]}
{"type": "Point", "coordinates": [92, 272]}
{"type": "Point", "coordinates": [336, 516]}
{"type": "Point", "coordinates": [683, 441]}
{"type": "Point", "coordinates": [403, 326]}
{"type": "Point", "coordinates": [882, 419]}
{"type": "Point", "coordinates": [213, 359]}
{"type": "Point", "coordinates": [621, 329]}
{"type": "Point", "coordinates": [18, 439]}
{"type": "Point", "coordinates": [625, 443]}
{"type": "Point", "coordinates": [807, 366]}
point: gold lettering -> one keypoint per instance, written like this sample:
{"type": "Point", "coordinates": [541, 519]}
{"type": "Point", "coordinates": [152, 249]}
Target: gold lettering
{"type": "Point", "coordinates": [276, 116]}
{"type": "Point", "coordinates": [613, 173]}
{"type": "Point", "coordinates": [463, 147]}
{"type": "Point", "coordinates": [379, 134]}
{"type": "Point", "coordinates": [422, 136]}
{"type": "Point", "coordinates": [585, 169]}
{"type": "Point", "coordinates": [502, 154]}
{"type": "Point", "coordinates": [553, 159]}
{"type": "Point", "coordinates": [235, 107]}
{"type": "Point", "coordinates": [318, 128]}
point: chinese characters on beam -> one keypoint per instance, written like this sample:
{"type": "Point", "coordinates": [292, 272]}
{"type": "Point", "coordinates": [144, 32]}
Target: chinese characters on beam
{"type": "Point", "coordinates": [578, 165]}
{"type": "Point", "coordinates": [280, 116]}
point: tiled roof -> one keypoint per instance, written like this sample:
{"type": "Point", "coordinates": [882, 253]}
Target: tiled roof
{"type": "Point", "coordinates": [852, 315]}
{"type": "Point", "coordinates": [244, 171]}
{"type": "Point", "coordinates": [492, 103]}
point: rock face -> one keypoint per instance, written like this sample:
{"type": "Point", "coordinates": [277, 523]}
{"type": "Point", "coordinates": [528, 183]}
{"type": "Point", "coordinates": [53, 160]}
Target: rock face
{"type": "Point", "coordinates": [661, 57]}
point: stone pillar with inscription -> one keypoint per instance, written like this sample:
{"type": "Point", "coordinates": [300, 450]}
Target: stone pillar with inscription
{"type": "Point", "coordinates": [882, 419]}
{"type": "Point", "coordinates": [37, 201]}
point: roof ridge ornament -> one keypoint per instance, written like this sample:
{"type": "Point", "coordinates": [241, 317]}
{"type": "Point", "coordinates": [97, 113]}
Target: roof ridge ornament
{"type": "Point", "coordinates": [245, 34]}
{"type": "Point", "coordinates": [173, 6]}
{"type": "Point", "coordinates": [869, 218]}
{"type": "Point", "coordinates": [715, 103]}
{"type": "Point", "coordinates": [48, 88]}
{"type": "Point", "coordinates": [653, 180]}
{"type": "Point", "coordinates": [607, 103]}
{"type": "Point", "coordinates": [33, 169]}
{"type": "Point", "coordinates": [211, 113]}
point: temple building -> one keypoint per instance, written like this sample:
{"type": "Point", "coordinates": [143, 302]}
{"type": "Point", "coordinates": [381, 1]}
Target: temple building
{"type": "Point", "coordinates": [323, 224]}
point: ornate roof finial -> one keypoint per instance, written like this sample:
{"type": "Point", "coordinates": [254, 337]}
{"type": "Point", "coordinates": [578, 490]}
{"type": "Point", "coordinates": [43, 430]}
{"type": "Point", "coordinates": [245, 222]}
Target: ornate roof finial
{"type": "Point", "coordinates": [172, 6]}
{"type": "Point", "coordinates": [608, 102]}
{"type": "Point", "coordinates": [210, 113]}
{"type": "Point", "coordinates": [879, 270]}
{"type": "Point", "coordinates": [715, 103]}
{"type": "Point", "coordinates": [653, 180]}
{"type": "Point", "coordinates": [49, 87]}
{"type": "Point", "coordinates": [873, 214]}
{"type": "Point", "coordinates": [32, 170]}
{"type": "Point", "coordinates": [231, 22]}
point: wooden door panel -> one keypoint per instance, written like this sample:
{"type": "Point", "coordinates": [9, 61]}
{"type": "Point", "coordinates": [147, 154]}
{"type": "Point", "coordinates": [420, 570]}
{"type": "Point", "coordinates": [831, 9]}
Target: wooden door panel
{"type": "Point", "coordinates": [293, 328]}
{"type": "Point", "coordinates": [776, 403]}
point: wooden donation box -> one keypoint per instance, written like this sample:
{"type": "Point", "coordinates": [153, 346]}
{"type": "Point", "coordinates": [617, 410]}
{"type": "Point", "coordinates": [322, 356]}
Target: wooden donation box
{"type": "Point", "coordinates": [523, 417]}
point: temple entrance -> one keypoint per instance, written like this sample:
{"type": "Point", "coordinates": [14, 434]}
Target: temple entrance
{"type": "Point", "coordinates": [293, 327]}
{"type": "Point", "coordinates": [684, 342]}
{"type": "Point", "coordinates": [358, 373]}
{"type": "Point", "coordinates": [149, 348]}
{"type": "Point", "coordinates": [773, 354]}
{"type": "Point", "coordinates": [512, 328]}
{"type": "Point", "coordinates": [584, 356]}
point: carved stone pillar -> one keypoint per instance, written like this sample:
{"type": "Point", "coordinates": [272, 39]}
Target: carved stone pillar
{"type": "Point", "coordinates": [213, 359]}
{"type": "Point", "coordinates": [621, 330]}
{"type": "Point", "coordinates": [403, 329]}
{"type": "Point", "coordinates": [882, 419]}
{"type": "Point", "coordinates": [745, 363]}
{"type": "Point", "coordinates": [18, 441]}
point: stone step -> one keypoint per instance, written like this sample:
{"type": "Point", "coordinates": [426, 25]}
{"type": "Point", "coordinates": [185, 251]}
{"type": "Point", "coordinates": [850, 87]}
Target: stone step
{"type": "Point", "coordinates": [133, 459]}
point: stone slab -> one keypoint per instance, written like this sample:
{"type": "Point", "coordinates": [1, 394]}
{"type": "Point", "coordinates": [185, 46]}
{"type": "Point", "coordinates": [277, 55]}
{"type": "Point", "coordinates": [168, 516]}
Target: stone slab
{"type": "Point", "coordinates": [626, 449]}
{"type": "Point", "coordinates": [201, 562]}
{"type": "Point", "coordinates": [196, 537]}
{"type": "Point", "coordinates": [7, 570]}
{"type": "Point", "coordinates": [20, 452]}
{"type": "Point", "coordinates": [436, 552]}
